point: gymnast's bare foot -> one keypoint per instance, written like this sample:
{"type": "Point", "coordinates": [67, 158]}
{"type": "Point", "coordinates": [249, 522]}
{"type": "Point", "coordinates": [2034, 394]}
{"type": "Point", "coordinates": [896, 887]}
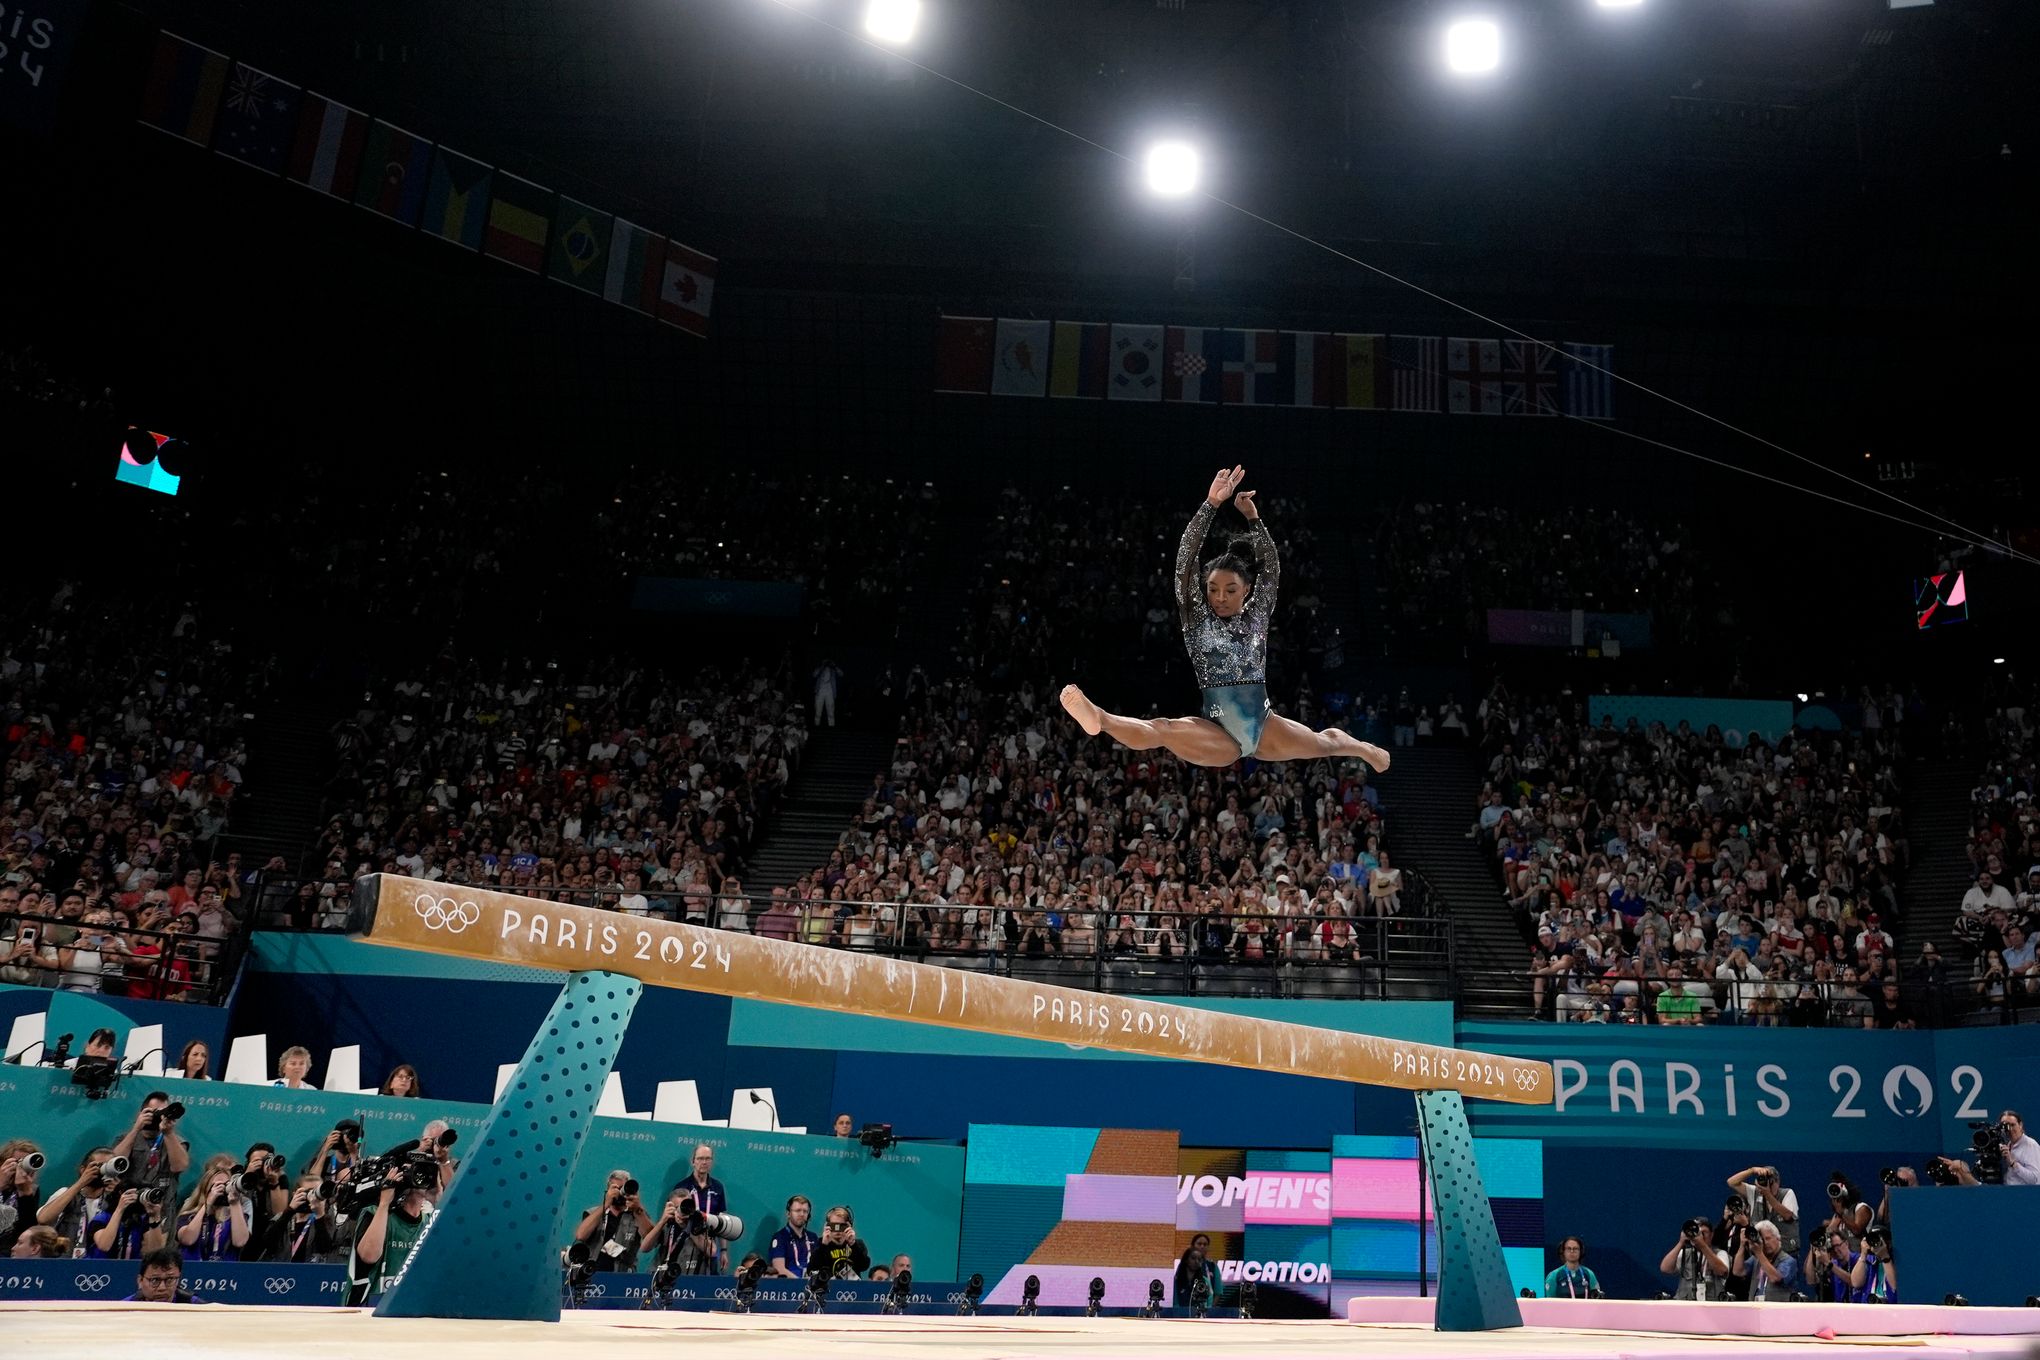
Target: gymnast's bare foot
{"type": "Point", "coordinates": [1086, 712]}
{"type": "Point", "coordinates": [1377, 759]}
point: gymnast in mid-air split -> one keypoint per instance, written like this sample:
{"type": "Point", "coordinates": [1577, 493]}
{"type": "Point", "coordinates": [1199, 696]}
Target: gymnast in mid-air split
{"type": "Point", "coordinates": [1225, 606]}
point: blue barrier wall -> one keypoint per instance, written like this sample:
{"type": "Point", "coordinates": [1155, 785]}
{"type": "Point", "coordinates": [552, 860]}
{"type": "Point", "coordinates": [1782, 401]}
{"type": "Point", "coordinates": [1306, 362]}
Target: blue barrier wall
{"type": "Point", "coordinates": [81, 1013]}
{"type": "Point", "coordinates": [1770, 717]}
{"type": "Point", "coordinates": [1966, 1240]}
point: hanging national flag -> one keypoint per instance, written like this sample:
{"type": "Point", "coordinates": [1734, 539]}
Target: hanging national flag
{"type": "Point", "coordinates": [963, 354]}
{"type": "Point", "coordinates": [1136, 363]}
{"type": "Point", "coordinates": [1589, 391]}
{"type": "Point", "coordinates": [1414, 383]}
{"type": "Point", "coordinates": [519, 214]}
{"type": "Point", "coordinates": [456, 199]}
{"type": "Point", "coordinates": [1081, 363]}
{"type": "Point", "coordinates": [687, 288]}
{"type": "Point", "coordinates": [635, 268]}
{"type": "Point", "coordinates": [1529, 378]}
{"type": "Point", "coordinates": [259, 121]}
{"type": "Point", "coordinates": [1473, 377]}
{"type": "Point", "coordinates": [396, 170]}
{"type": "Point", "coordinates": [327, 153]}
{"type": "Point", "coordinates": [580, 245]}
{"type": "Point", "coordinates": [1020, 358]}
{"type": "Point", "coordinates": [1305, 376]}
{"type": "Point", "coordinates": [1252, 363]}
{"type": "Point", "coordinates": [1190, 364]}
{"type": "Point", "coordinates": [1360, 369]}
{"type": "Point", "coordinates": [182, 96]}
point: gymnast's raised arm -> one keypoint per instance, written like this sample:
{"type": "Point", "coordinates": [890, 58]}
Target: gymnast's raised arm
{"type": "Point", "coordinates": [1189, 553]}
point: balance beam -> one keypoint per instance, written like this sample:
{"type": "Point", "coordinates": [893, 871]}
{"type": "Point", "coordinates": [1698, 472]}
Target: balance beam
{"type": "Point", "coordinates": [499, 927]}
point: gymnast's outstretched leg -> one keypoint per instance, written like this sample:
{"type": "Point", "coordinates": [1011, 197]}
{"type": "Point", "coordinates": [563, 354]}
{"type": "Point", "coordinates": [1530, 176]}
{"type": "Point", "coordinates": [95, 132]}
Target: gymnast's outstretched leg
{"type": "Point", "coordinates": [1197, 740]}
{"type": "Point", "coordinates": [1285, 739]}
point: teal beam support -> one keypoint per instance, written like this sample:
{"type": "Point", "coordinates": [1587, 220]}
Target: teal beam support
{"type": "Point", "coordinates": [1474, 1293]}
{"type": "Point", "coordinates": [493, 1248]}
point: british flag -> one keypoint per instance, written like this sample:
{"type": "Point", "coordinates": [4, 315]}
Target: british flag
{"type": "Point", "coordinates": [1529, 378]}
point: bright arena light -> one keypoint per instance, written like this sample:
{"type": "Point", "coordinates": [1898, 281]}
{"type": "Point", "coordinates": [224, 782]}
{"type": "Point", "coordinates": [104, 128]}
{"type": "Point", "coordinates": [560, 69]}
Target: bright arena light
{"type": "Point", "coordinates": [1473, 47]}
{"type": "Point", "coordinates": [1172, 169]}
{"type": "Point", "coordinates": [892, 21]}
{"type": "Point", "coordinates": [1618, 4]}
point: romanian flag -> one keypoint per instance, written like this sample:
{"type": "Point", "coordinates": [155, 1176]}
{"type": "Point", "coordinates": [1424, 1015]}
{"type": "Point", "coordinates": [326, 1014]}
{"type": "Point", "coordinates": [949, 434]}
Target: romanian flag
{"type": "Point", "coordinates": [457, 199]}
{"type": "Point", "coordinates": [395, 167]}
{"type": "Point", "coordinates": [186, 84]}
{"type": "Point", "coordinates": [520, 218]}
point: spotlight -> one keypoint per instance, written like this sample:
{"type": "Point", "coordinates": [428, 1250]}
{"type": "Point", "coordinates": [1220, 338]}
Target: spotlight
{"type": "Point", "coordinates": [1154, 1303]}
{"type": "Point", "coordinates": [1618, 4]}
{"type": "Point", "coordinates": [972, 1288]}
{"type": "Point", "coordinates": [892, 21]}
{"type": "Point", "coordinates": [1997, 661]}
{"type": "Point", "coordinates": [1172, 169]}
{"type": "Point", "coordinates": [1097, 1297]}
{"type": "Point", "coordinates": [1030, 1297]}
{"type": "Point", "coordinates": [1473, 47]}
{"type": "Point", "coordinates": [1802, 698]}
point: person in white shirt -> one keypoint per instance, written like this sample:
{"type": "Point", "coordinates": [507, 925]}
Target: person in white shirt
{"type": "Point", "coordinates": [1986, 896]}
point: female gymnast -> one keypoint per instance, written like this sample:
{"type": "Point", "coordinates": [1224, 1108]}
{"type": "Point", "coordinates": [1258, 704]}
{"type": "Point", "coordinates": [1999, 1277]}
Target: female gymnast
{"type": "Point", "coordinates": [1224, 607]}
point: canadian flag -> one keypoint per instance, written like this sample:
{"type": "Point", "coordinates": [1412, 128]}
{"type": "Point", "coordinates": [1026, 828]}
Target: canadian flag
{"type": "Point", "coordinates": [687, 289]}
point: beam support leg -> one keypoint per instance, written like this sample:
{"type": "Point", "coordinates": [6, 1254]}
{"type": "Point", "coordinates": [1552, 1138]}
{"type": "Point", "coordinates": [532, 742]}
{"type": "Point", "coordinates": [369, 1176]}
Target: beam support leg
{"type": "Point", "coordinates": [1474, 1293]}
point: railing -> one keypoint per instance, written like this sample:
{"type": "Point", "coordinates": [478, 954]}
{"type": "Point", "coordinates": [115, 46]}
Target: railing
{"type": "Point", "coordinates": [1243, 954]}
{"type": "Point", "coordinates": [153, 965]}
{"type": "Point", "coordinates": [1515, 994]}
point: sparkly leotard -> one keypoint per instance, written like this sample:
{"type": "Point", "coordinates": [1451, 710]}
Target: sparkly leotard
{"type": "Point", "coordinates": [1230, 656]}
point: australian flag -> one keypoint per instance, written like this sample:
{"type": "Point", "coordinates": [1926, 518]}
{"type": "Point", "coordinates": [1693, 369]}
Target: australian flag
{"type": "Point", "coordinates": [258, 119]}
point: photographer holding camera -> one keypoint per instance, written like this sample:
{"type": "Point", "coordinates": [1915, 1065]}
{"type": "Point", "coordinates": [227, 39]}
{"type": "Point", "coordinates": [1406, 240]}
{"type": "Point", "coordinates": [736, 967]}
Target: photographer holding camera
{"type": "Point", "coordinates": [1770, 1271]}
{"type": "Point", "coordinates": [689, 1237]}
{"type": "Point", "coordinates": [2005, 1155]}
{"type": "Point", "coordinates": [1842, 1274]}
{"type": "Point", "coordinates": [1734, 1234]}
{"type": "Point", "coordinates": [385, 1235]}
{"type": "Point", "coordinates": [131, 1224]}
{"type": "Point", "coordinates": [21, 1162]}
{"type": "Point", "coordinates": [1852, 1213]}
{"type": "Point", "coordinates": [708, 1197]}
{"type": "Point", "coordinates": [1758, 1185]}
{"type": "Point", "coordinates": [1700, 1268]}
{"type": "Point", "coordinates": [616, 1228]}
{"type": "Point", "coordinates": [341, 1150]}
{"type": "Point", "coordinates": [212, 1225]}
{"type": "Point", "coordinates": [73, 1206]}
{"type": "Point", "coordinates": [156, 1155]}
{"type": "Point", "coordinates": [306, 1230]}
{"type": "Point", "coordinates": [840, 1253]}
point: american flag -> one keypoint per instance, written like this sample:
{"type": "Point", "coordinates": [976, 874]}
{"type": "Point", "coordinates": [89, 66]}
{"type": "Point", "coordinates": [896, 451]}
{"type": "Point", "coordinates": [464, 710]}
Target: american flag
{"type": "Point", "coordinates": [1589, 394]}
{"type": "Point", "coordinates": [1413, 366]}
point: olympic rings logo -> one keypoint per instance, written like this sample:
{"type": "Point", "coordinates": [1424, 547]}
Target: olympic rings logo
{"type": "Point", "coordinates": [444, 913]}
{"type": "Point", "coordinates": [92, 1284]}
{"type": "Point", "coordinates": [278, 1284]}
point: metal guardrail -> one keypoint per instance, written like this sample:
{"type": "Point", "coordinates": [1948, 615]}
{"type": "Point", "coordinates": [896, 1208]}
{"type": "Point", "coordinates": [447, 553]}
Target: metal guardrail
{"type": "Point", "coordinates": [152, 965]}
{"type": "Point", "coordinates": [1514, 994]}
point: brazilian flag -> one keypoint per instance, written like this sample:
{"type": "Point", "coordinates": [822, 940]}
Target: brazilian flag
{"type": "Point", "coordinates": [579, 256]}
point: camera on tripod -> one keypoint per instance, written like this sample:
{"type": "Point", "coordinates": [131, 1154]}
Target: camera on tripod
{"type": "Point", "coordinates": [878, 1137]}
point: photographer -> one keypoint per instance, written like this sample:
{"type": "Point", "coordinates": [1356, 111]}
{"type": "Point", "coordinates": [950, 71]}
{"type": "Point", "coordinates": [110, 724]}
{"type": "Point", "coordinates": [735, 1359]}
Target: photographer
{"type": "Point", "coordinates": [1572, 1279]}
{"type": "Point", "coordinates": [839, 1251]}
{"type": "Point", "coordinates": [73, 1206]}
{"type": "Point", "coordinates": [708, 1197]}
{"type": "Point", "coordinates": [213, 1223]}
{"type": "Point", "coordinates": [20, 1192]}
{"type": "Point", "coordinates": [2006, 1154]}
{"type": "Point", "coordinates": [1700, 1268]}
{"type": "Point", "coordinates": [616, 1227]}
{"type": "Point", "coordinates": [1839, 1273]}
{"type": "Point", "coordinates": [305, 1231]}
{"type": "Point", "coordinates": [1758, 1185]}
{"type": "Point", "coordinates": [793, 1245]}
{"type": "Point", "coordinates": [341, 1150]}
{"type": "Point", "coordinates": [156, 1155]}
{"type": "Point", "coordinates": [131, 1225]}
{"type": "Point", "coordinates": [1851, 1212]}
{"type": "Point", "coordinates": [264, 1186]}
{"type": "Point", "coordinates": [1761, 1260]}
{"type": "Point", "coordinates": [677, 1250]}
{"type": "Point", "coordinates": [385, 1235]}
{"type": "Point", "coordinates": [1734, 1233]}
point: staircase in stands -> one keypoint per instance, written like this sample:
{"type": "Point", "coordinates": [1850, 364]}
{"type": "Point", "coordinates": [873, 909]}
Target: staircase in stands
{"type": "Point", "coordinates": [290, 754]}
{"type": "Point", "coordinates": [1430, 792]}
{"type": "Point", "coordinates": [833, 780]}
{"type": "Point", "coordinates": [1937, 826]}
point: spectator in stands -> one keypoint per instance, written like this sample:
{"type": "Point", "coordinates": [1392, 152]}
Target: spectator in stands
{"type": "Point", "coordinates": [402, 1081]}
{"type": "Point", "coordinates": [292, 1069]}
